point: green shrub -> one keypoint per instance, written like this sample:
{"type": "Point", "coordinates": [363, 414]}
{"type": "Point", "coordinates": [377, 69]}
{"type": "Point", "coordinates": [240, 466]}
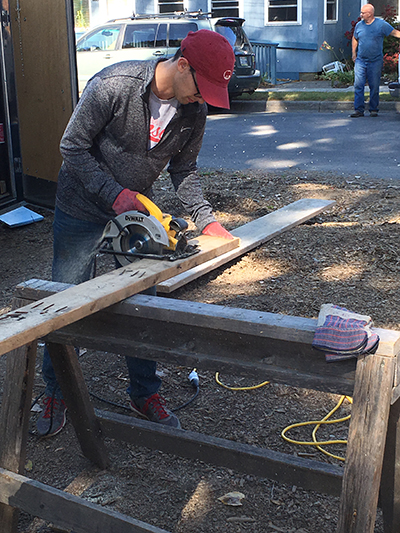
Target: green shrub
{"type": "Point", "coordinates": [343, 78]}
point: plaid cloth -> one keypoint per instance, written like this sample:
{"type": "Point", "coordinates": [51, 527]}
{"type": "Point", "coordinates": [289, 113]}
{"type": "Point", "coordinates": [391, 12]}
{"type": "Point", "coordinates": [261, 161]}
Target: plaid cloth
{"type": "Point", "coordinates": [343, 334]}
{"type": "Point", "coordinates": [335, 310]}
{"type": "Point", "coordinates": [371, 347]}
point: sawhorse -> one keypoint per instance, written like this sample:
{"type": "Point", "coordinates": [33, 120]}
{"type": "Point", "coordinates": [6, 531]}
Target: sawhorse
{"type": "Point", "coordinates": [210, 337]}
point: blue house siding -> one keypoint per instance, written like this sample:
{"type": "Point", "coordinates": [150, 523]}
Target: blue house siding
{"type": "Point", "coordinates": [194, 5]}
{"type": "Point", "coordinates": [299, 45]}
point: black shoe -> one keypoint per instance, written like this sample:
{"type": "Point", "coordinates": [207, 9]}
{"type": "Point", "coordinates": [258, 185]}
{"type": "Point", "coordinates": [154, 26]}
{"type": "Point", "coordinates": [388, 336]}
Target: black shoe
{"type": "Point", "coordinates": [357, 114]}
{"type": "Point", "coordinates": [153, 408]}
{"type": "Point", "coordinates": [373, 113]}
{"type": "Point", "coordinates": [53, 417]}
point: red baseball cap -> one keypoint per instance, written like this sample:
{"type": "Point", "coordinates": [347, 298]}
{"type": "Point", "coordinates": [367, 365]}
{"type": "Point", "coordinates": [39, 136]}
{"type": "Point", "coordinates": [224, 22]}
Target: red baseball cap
{"type": "Point", "coordinates": [213, 59]}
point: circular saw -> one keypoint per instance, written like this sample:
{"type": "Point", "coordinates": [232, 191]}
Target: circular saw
{"type": "Point", "coordinates": [134, 235]}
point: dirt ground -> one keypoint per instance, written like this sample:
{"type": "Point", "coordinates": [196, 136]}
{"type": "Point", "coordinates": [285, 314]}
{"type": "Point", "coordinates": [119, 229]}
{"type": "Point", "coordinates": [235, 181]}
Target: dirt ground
{"type": "Point", "coordinates": [348, 255]}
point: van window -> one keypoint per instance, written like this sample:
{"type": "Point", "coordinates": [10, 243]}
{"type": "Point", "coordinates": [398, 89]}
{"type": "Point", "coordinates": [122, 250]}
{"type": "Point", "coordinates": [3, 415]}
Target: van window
{"type": "Point", "coordinates": [140, 36]}
{"type": "Point", "coordinates": [177, 32]}
{"type": "Point", "coordinates": [101, 39]}
{"type": "Point", "coordinates": [161, 39]}
{"type": "Point", "coordinates": [235, 35]}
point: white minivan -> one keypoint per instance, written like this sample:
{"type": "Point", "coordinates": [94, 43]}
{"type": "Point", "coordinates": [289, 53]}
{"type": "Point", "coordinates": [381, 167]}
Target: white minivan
{"type": "Point", "coordinates": [144, 37]}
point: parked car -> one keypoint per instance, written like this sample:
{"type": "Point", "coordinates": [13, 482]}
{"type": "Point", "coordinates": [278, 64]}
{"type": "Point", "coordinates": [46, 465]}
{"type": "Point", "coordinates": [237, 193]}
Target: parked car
{"type": "Point", "coordinates": [79, 32]}
{"type": "Point", "coordinates": [143, 37]}
{"type": "Point", "coordinates": [394, 87]}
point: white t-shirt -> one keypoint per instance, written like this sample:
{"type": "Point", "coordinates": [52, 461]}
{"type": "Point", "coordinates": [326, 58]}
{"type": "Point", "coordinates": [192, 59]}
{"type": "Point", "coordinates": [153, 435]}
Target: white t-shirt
{"type": "Point", "coordinates": [161, 112]}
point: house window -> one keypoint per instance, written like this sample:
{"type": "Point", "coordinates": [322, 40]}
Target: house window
{"type": "Point", "coordinates": [283, 10]}
{"type": "Point", "coordinates": [225, 8]}
{"type": "Point", "coordinates": [331, 10]}
{"type": "Point", "coordinates": [169, 6]}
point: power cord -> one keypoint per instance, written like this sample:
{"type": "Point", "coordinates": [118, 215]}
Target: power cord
{"type": "Point", "coordinates": [109, 402]}
{"type": "Point", "coordinates": [193, 378]}
{"type": "Point", "coordinates": [35, 401]}
{"type": "Point", "coordinates": [195, 382]}
{"type": "Point", "coordinates": [253, 387]}
{"type": "Point", "coordinates": [317, 423]}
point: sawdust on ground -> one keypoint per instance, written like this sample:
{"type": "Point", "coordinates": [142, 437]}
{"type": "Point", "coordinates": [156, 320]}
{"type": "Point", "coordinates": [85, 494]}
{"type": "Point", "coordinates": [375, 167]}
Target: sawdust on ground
{"type": "Point", "coordinates": [348, 255]}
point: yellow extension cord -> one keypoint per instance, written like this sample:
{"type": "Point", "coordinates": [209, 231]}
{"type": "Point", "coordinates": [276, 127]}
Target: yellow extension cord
{"type": "Point", "coordinates": [239, 388]}
{"type": "Point", "coordinates": [316, 423]}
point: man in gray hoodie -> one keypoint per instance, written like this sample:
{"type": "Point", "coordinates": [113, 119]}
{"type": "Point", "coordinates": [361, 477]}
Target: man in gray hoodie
{"type": "Point", "coordinates": [132, 120]}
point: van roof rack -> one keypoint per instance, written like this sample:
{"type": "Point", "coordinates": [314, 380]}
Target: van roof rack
{"type": "Point", "coordinates": [174, 14]}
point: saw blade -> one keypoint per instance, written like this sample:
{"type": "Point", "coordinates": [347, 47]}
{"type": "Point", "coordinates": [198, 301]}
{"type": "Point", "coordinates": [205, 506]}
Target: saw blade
{"type": "Point", "coordinates": [137, 239]}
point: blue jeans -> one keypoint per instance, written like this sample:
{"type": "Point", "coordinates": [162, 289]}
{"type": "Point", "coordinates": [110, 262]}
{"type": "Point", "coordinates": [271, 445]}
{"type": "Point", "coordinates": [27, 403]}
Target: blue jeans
{"type": "Point", "coordinates": [76, 243]}
{"type": "Point", "coordinates": [367, 71]}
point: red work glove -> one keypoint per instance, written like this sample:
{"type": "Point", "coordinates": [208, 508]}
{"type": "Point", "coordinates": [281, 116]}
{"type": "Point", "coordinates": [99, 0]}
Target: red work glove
{"type": "Point", "coordinates": [216, 230]}
{"type": "Point", "coordinates": [127, 201]}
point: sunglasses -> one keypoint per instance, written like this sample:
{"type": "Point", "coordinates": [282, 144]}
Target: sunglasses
{"type": "Point", "coordinates": [198, 93]}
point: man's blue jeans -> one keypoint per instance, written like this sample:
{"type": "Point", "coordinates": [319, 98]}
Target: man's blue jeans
{"type": "Point", "coordinates": [75, 246]}
{"type": "Point", "coordinates": [367, 71]}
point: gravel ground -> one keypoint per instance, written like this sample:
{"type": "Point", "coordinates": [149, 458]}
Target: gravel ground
{"type": "Point", "coordinates": [348, 255]}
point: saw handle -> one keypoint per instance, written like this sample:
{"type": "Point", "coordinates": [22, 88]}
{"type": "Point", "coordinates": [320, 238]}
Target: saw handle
{"type": "Point", "coordinates": [150, 206]}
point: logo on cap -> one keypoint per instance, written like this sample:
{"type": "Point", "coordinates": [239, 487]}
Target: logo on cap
{"type": "Point", "coordinates": [227, 74]}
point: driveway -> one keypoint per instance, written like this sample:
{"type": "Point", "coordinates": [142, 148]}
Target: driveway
{"type": "Point", "coordinates": [304, 140]}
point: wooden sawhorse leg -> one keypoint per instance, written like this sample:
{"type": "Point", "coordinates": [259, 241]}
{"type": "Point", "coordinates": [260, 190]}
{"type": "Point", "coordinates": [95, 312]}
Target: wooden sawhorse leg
{"type": "Point", "coordinates": [15, 413]}
{"type": "Point", "coordinates": [14, 417]}
{"type": "Point", "coordinates": [72, 383]}
{"type": "Point", "coordinates": [366, 444]}
{"type": "Point", "coordinates": [14, 420]}
{"type": "Point", "coordinates": [390, 483]}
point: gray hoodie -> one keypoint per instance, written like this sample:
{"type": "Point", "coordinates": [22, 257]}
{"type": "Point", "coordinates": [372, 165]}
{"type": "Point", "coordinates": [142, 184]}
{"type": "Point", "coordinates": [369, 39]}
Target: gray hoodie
{"type": "Point", "coordinates": [105, 147]}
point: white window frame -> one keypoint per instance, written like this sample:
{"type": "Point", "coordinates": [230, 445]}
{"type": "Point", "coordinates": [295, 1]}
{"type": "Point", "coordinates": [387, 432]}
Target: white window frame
{"type": "Point", "coordinates": [240, 6]}
{"type": "Point", "coordinates": [330, 21]}
{"type": "Point", "coordinates": [297, 22]}
{"type": "Point", "coordinates": [156, 5]}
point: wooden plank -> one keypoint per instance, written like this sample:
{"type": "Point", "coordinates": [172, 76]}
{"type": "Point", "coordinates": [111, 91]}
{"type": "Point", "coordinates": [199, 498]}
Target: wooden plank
{"type": "Point", "coordinates": [343, 383]}
{"type": "Point", "coordinates": [78, 485]}
{"type": "Point", "coordinates": [72, 383]}
{"type": "Point", "coordinates": [366, 444]}
{"type": "Point", "coordinates": [65, 510]}
{"type": "Point", "coordinates": [252, 235]}
{"type": "Point", "coordinates": [38, 319]}
{"type": "Point", "coordinates": [284, 468]}
{"type": "Point", "coordinates": [390, 482]}
{"type": "Point", "coordinates": [14, 417]}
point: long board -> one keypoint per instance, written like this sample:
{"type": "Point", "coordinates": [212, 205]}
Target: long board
{"type": "Point", "coordinates": [65, 510]}
{"type": "Point", "coordinates": [24, 325]}
{"type": "Point", "coordinates": [36, 320]}
{"type": "Point", "coordinates": [252, 235]}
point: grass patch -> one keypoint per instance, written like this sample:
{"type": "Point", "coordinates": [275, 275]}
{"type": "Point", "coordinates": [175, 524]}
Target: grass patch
{"type": "Point", "coordinates": [310, 96]}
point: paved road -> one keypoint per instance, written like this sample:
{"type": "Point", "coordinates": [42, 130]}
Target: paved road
{"type": "Point", "coordinates": [308, 141]}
